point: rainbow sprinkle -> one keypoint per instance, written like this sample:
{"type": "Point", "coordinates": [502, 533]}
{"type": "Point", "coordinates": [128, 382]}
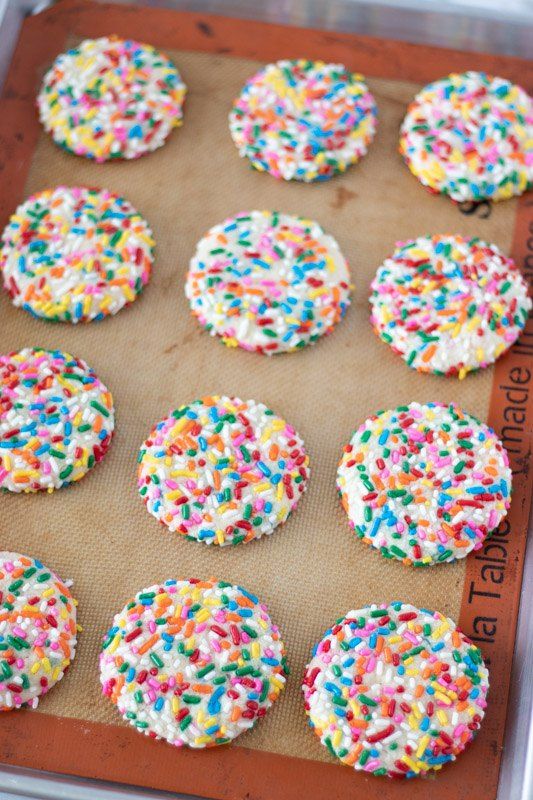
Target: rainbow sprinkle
{"type": "Point", "coordinates": [75, 254]}
{"type": "Point", "coordinates": [194, 662]}
{"type": "Point", "coordinates": [449, 305]}
{"type": "Point", "coordinates": [425, 484]}
{"type": "Point", "coordinates": [470, 136]}
{"type": "Point", "coordinates": [111, 98]}
{"type": "Point", "coordinates": [268, 282]}
{"type": "Point", "coordinates": [37, 630]}
{"type": "Point", "coordinates": [303, 120]}
{"type": "Point", "coordinates": [222, 471]}
{"type": "Point", "coordinates": [395, 690]}
{"type": "Point", "coordinates": [56, 420]}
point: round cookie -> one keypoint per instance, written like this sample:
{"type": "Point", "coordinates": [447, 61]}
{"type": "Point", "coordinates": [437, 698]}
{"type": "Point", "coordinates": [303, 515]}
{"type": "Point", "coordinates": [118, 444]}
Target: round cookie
{"type": "Point", "coordinates": [268, 282]}
{"type": "Point", "coordinates": [303, 120]}
{"type": "Point", "coordinates": [37, 630]}
{"type": "Point", "coordinates": [56, 420]}
{"type": "Point", "coordinates": [73, 254]}
{"type": "Point", "coordinates": [194, 662]}
{"type": "Point", "coordinates": [470, 136]}
{"type": "Point", "coordinates": [395, 690]}
{"type": "Point", "coordinates": [425, 484]}
{"type": "Point", "coordinates": [449, 305]}
{"type": "Point", "coordinates": [111, 98]}
{"type": "Point", "coordinates": [222, 471]}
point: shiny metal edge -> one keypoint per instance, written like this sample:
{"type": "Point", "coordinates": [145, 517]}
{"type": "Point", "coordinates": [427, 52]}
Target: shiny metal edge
{"type": "Point", "coordinates": [12, 14]}
{"type": "Point", "coordinates": [498, 28]}
{"type": "Point", "coordinates": [18, 783]}
{"type": "Point", "coordinates": [407, 20]}
{"type": "Point", "coordinates": [516, 773]}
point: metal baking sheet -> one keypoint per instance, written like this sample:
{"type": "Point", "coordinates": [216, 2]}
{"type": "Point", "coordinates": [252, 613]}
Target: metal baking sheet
{"type": "Point", "coordinates": [31, 161]}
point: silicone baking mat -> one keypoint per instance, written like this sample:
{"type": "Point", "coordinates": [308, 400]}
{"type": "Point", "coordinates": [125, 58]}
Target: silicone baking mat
{"type": "Point", "coordinates": [154, 356]}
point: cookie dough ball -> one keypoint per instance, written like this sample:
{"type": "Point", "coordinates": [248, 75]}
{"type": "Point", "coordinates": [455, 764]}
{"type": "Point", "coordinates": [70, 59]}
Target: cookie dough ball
{"type": "Point", "coordinates": [449, 305]}
{"type": "Point", "coordinates": [425, 484]}
{"type": "Point", "coordinates": [222, 471]}
{"type": "Point", "coordinates": [303, 120]}
{"type": "Point", "coordinates": [194, 662]}
{"type": "Point", "coordinates": [395, 690]}
{"type": "Point", "coordinates": [268, 282]}
{"type": "Point", "coordinates": [111, 98]}
{"type": "Point", "coordinates": [56, 420]}
{"type": "Point", "coordinates": [470, 136]}
{"type": "Point", "coordinates": [37, 630]}
{"type": "Point", "coordinates": [73, 254]}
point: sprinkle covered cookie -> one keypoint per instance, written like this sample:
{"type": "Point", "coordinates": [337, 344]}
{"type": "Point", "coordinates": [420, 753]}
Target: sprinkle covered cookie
{"type": "Point", "coordinates": [111, 98]}
{"type": "Point", "coordinates": [470, 136]}
{"type": "Point", "coordinates": [424, 484]}
{"type": "Point", "coordinates": [37, 630]}
{"type": "Point", "coordinates": [303, 120]}
{"type": "Point", "coordinates": [56, 420]}
{"type": "Point", "coordinates": [194, 662]}
{"type": "Point", "coordinates": [395, 690]}
{"type": "Point", "coordinates": [73, 254]}
{"type": "Point", "coordinates": [222, 471]}
{"type": "Point", "coordinates": [449, 305]}
{"type": "Point", "coordinates": [268, 282]}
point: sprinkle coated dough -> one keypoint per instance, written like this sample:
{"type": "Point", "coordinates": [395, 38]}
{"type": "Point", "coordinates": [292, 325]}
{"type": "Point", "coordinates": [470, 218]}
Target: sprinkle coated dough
{"type": "Point", "coordinates": [73, 254]}
{"type": "Point", "coordinates": [56, 420]}
{"type": "Point", "coordinates": [268, 282]}
{"type": "Point", "coordinates": [111, 98]}
{"type": "Point", "coordinates": [395, 690]}
{"type": "Point", "coordinates": [449, 305]}
{"type": "Point", "coordinates": [303, 120]}
{"type": "Point", "coordinates": [194, 662]}
{"type": "Point", "coordinates": [222, 471]}
{"type": "Point", "coordinates": [425, 484]}
{"type": "Point", "coordinates": [37, 630]}
{"type": "Point", "coordinates": [470, 136]}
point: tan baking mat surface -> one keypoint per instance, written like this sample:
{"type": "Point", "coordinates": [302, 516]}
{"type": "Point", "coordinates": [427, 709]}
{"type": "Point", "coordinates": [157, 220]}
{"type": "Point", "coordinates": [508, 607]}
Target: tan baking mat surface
{"type": "Point", "coordinates": [154, 356]}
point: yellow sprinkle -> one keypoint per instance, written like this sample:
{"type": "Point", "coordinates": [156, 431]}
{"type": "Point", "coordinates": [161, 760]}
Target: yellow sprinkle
{"type": "Point", "coordinates": [438, 632]}
{"type": "Point", "coordinates": [183, 473]}
{"type": "Point", "coordinates": [411, 764]}
{"type": "Point", "coordinates": [262, 487]}
{"type": "Point", "coordinates": [424, 741]}
{"type": "Point", "coordinates": [128, 293]}
{"type": "Point", "coordinates": [337, 738]}
{"type": "Point", "coordinates": [441, 716]}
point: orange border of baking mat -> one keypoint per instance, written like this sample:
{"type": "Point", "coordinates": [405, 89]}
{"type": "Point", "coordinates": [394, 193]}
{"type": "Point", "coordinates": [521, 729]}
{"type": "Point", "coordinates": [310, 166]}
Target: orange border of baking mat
{"type": "Point", "coordinates": [493, 575]}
